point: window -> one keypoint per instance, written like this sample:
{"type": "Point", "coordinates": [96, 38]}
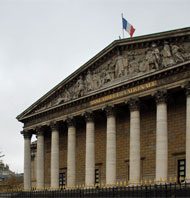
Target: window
{"type": "Point", "coordinates": [128, 171]}
{"type": "Point", "coordinates": [181, 170]}
{"type": "Point", "coordinates": [97, 176]}
{"type": "Point", "coordinates": [62, 179]}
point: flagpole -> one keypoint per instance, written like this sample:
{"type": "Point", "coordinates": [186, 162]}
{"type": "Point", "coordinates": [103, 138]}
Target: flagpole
{"type": "Point", "coordinates": [122, 24]}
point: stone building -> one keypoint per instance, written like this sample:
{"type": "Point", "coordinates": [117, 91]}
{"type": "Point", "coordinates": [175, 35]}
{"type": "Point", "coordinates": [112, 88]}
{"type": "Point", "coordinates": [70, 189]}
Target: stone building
{"type": "Point", "coordinates": [123, 115]}
{"type": "Point", "coordinates": [5, 172]}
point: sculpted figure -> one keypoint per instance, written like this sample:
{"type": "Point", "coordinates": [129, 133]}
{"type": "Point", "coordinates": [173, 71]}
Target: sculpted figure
{"type": "Point", "coordinates": [96, 80]}
{"type": "Point", "coordinates": [133, 67]}
{"type": "Point", "coordinates": [125, 62]}
{"type": "Point", "coordinates": [89, 81]}
{"type": "Point", "coordinates": [49, 105]}
{"type": "Point", "coordinates": [153, 57]}
{"type": "Point", "coordinates": [177, 54]}
{"type": "Point", "coordinates": [64, 98]}
{"type": "Point", "coordinates": [167, 56]}
{"type": "Point", "coordinates": [126, 71]}
{"type": "Point", "coordinates": [103, 76]}
{"type": "Point", "coordinates": [109, 72]}
{"type": "Point", "coordinates": [120, 64]}
{"type": "Point", "coordinates": [41, 109]}
{"type": "Point", "coordinates": [59, 101]}
{"type": "Point", "coordinates": [79, 87]}
{"type": "Point", "coordinates": [67, 95]}
{"type": "Point", "coordinates": [72, 92]}
{"type": "Point", "coordinates": [143, 67]}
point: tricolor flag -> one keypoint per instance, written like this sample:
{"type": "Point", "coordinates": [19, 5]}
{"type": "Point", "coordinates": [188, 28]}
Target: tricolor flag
{"type": "Point", "coordinates": [128, 27]}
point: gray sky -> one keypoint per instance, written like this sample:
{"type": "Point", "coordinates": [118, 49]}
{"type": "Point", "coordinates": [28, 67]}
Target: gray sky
{"type": "Point", "coordinates": [43, 41]}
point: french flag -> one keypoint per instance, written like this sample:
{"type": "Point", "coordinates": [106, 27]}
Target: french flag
{"type": "Point", "coordinates": [128, 27]}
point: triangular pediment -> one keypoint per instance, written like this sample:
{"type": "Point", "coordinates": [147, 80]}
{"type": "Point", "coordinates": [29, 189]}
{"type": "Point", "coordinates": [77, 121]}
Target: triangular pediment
{"type": "Point", "coordinates": [121, 61]}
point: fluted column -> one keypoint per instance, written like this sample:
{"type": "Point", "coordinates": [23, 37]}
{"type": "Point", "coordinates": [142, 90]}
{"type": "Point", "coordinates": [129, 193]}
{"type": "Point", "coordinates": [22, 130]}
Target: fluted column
{"type": "Point", "coordinates": [40, 158]}
{"type": "Point", "coordinates": [54, 156]}
{"type": "Point", "coordinates": [111, 146]}
{"type": "Point", "coordinates": [134, 162]}
{"type": "Point", "coordinates": [188, 131]}
{"type": "Point", "coordinates": [27, 159]}
{"type": "Point", "coordinates": [71, 153]}
{"type": "Point", "coordinates": [90, 150]}
{"type": "Point", "coordinates": [161, 136]}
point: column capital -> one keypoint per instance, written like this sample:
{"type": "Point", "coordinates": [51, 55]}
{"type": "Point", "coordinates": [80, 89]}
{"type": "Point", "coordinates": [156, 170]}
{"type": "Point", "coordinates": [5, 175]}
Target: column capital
{"type": "Point", "coordinates": [26, 134]}
{"type": "Point", "coordinates": [187, 88]}
{"type": "Point", "coordinates": [110, 110]}
{"type": "Point", "coordinates": [134, 104]}
{"type": "Point", "coordinates": [89, 116]}
{"type": "Point", "coordinates": [71, 121]}
{"type": "Point", "coordinates": [39, 131]}
{"type": "Point", "coordinates": [54, 126]}
{"type": "Point", "coordinates": [161, 96]}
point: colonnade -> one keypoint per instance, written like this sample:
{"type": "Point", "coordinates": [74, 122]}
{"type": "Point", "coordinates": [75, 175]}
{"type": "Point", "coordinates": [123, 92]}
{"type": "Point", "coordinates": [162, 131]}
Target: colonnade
{"type": "Point", "coordinates": [134, 156]}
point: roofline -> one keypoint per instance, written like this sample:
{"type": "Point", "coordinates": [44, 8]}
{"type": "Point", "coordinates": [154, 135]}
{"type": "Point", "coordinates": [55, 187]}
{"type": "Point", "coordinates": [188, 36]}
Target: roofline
{"type": "Point", "coordinates": [115, 43]}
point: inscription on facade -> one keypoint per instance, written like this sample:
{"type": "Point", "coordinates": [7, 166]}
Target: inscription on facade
{"type": "Point", "coordinates": [124, 92]}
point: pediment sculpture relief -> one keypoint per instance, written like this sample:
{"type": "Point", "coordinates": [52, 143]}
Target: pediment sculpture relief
{"type": "Point", "coordinates": [124, 66]}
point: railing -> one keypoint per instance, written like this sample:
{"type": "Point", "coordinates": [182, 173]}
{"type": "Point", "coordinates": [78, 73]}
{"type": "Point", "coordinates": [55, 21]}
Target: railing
{"type": "Point", "coordinates": [149, 190]}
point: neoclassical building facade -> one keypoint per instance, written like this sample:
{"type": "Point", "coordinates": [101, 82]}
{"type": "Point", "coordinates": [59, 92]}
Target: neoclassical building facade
{"type": "Point", "coordinates": [123, 115]}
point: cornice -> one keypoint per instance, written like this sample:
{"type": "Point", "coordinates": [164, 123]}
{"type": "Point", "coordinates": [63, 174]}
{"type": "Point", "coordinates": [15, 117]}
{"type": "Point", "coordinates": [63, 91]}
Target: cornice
{"type": "Point", "coordinates": [26, 134]}
{"type": "Point", "coordinates": [107, 52]}
{"type": "Point", "coordinates": [163, 73]}
{"type": "Point", "coordinates": [59, 118]}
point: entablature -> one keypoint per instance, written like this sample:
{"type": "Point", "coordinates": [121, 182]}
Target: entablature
{"type": "Point", "coordinates": [167, 78]}
{"type": "Point", "coordinates": [122, 60]}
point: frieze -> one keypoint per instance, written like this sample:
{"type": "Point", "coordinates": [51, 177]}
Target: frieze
{"type": "Point", "coordinates": [173, 79]}
{"type": "Point", "coordinates": [120, 67]}
{"type": "Point", "coordinates": [124, 92]}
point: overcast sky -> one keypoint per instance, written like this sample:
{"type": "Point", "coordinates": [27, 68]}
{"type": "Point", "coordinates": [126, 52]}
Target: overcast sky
{"type": "Point", "coordinates": [43, 41]}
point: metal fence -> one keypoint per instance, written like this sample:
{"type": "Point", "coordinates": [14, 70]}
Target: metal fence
{"type": "Point", "coordinates": [152, 190]}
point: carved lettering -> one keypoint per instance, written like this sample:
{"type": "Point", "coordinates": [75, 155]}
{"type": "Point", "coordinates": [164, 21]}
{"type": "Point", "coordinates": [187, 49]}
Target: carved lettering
{"type": "Point", "coordinates": [130, 91]}
{"type": "Point", "coordinates": [124, 93]}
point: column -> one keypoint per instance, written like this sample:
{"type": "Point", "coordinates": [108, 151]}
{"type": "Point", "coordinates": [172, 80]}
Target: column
{"type": "Point", "coordinates": [71, 153]}
{"type": "Point", "coordinates": [40, 158]}
{"type": "Point", "coordinates": [27, 159]}
{"type": "Point", "coordinates": [188, 131]}
{"type": "Point", "coordinates": [54, 156]}
{"type": "Point", "coordinates": [90, 150]}
{"type": "Point", "coordinates": [111, 146]}
{"type": "Point", "coordinates": [134, 162]}
{"type": "Point", "coordinates": [161, 136]}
